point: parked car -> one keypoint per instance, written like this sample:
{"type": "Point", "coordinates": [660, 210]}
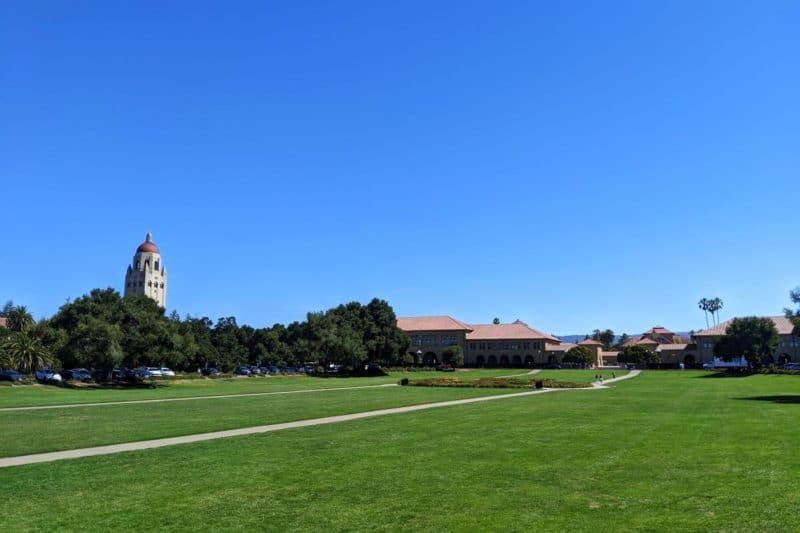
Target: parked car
{"type": "Point", "coordinates": [153, 372]}
{"type": "Point", "coordinates": [166, 372]}
{"type": "Point", "coordinates": [210, 372]}
{"type": "Point", "coordinates": [554, 366]}
{"type": "Point", "coordinates": [241, 371]}
{"type": "Point", "coordinates": [255, 371]}
{"type": "Point", "coordinates": [791, 366]}
{"type": "Point", "coordinates": [264, 370]}
{"type": "Point", "coordinates": [77, 374]}
{"type": "Point", "coordinates": [11, 375]}
{"type": "Point", "coordinates": [48, 375]}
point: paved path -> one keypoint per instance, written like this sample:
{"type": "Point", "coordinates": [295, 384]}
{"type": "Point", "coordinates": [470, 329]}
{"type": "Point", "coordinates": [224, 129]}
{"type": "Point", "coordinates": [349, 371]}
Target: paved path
{"type": "Point", "coordinates": [187, 439]}
{"type": "Point", "coordinates": [629, 375]}
{"type": "Point", "coordinates": [161, 400]}
{"type": "Point", "coordinates": [534, 371]}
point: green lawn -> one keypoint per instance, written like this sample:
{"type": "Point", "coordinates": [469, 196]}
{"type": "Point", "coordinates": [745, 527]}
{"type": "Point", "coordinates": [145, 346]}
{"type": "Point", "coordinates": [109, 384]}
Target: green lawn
{"type": "Point", "coordinates": [666, 451]}
{"type": "Point", "coordinates": [37, 431]}
{"type": "Point", "coordinates": [32, 395]}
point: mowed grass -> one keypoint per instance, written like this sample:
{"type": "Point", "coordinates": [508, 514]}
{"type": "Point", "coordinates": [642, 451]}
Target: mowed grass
{"type": "Point", "coordinates": [665, 451]}
{"type": "Point", "coordinates": [37, 431]}
{"type": "Point", "coordinates": [34, 395]}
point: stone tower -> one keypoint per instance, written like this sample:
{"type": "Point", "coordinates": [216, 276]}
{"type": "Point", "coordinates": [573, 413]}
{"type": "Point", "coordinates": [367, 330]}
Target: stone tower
{"type": "Point", "coordinates": [147, 274]}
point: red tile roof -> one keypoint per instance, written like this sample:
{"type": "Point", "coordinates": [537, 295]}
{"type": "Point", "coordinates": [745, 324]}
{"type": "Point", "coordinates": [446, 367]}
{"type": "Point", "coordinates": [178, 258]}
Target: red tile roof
{"type": "Point", "coordinates": [590, 342]}
{"type": "Point", "coordinates": [675, 347]}
{"type": "Point", "coordinates": [431, 323]}
{"type": "Point", "coordinates": [517, 330]}
{"type": "Point", "coordinates": [644, 340]}
{"type": "Point", "coordinates": [782, 324]}
{"type": "Point", "coordinates": [563, 347]}
{"type": "Point", "coordinates": [658, 330]}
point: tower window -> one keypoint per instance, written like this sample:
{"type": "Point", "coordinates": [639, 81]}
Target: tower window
{"type": "Point", "coordinates": [157, 261]}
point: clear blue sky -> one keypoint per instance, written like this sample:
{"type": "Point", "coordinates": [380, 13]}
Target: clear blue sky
{"type": "Point", "coordinates": [576, 165]}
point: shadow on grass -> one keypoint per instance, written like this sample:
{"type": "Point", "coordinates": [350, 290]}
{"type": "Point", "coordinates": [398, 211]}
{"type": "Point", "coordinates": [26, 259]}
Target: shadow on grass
{"type": "Point", "coordinates": [778, 398]}
{"type": "Point", "coordinates": [727, 374]}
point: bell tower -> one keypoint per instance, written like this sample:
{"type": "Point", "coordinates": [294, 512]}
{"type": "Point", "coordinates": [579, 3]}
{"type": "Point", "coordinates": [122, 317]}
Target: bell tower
{"type": "Point", "coordinates": [147, 274]}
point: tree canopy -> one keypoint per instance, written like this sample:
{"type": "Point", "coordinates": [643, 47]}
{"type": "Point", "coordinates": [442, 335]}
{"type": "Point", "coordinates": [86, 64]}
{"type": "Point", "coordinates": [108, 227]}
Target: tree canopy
{"type": "Point", "coordinates": [638, 354]}
{"type": "Point", "coordinates": [754, 338]}
{"type": "Point", "coordinates": [103, 330]}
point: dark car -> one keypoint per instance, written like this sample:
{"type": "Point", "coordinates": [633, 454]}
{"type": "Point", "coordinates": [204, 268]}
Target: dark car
{"type": "Point", "coordinates": [127, 375]}
{"type": "Point", "coordinates": [254, 370]}
{"type": "Point", "coordinates": [210, 371]}
{"type": "Point", "coordinates": [241, 371]}
{"type": "Point", "coordinates": [77, 374]}
{"type": "Point", "coordinates": [48, 375]}
{"type": "Point", "coordinates": [553, 366]}
{"type": "Point", "coordinates": [11, 375]}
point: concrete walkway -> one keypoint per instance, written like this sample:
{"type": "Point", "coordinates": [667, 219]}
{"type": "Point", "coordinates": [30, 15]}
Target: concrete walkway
{"type": "Point", "coordinates": [629, 375]}
{"type": "Point", "coordinates": [534, 371]}
{"type": "Point", "coordinates": [188, 398]}
{"type": "Point", "coordinates": [187, 439]}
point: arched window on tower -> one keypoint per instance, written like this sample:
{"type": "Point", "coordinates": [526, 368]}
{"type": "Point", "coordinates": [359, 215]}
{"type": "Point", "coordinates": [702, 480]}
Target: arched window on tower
{"type": "Point", "coordinates": [157, 262]}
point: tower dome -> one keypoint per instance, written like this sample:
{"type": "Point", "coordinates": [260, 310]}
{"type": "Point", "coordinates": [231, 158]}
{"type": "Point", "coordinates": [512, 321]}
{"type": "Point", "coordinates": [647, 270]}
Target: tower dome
{"type": "Point", "coordinates": [146, 275]}
{"type": "Point", "coordinates": [148, 245]}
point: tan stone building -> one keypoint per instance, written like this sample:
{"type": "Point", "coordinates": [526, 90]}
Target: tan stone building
{"type": "Point", "coordinates": [507, 345]}
{"type": "Point", "coordinates": [430, 336]}
{"type": "Point", "coordinates": [788, 349]}
{"type": "Point", "coordinates": [671, 348]}
{"type": "Point", "coordinates": [483, 345]}
{"type": "Point", "coordinates": [147, 275]}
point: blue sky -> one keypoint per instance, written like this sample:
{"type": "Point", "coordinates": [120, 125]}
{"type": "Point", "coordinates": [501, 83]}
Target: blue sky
{"type": "Point", "coordinates": [576, 165]}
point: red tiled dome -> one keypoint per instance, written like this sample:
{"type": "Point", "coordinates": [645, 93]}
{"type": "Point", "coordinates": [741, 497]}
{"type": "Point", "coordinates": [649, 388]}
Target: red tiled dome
{"type": "Point", "coordinates": [148, 245]}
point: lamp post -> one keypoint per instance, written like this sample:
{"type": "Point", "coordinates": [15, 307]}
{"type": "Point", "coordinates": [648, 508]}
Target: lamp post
{"type": "Point", "coordinates": [419, 356]}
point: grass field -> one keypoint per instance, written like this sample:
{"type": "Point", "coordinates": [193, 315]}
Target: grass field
{"type": "Point", "coordinates": [665, 451]}
{"type": "Point", "coordinates": [32, 395]}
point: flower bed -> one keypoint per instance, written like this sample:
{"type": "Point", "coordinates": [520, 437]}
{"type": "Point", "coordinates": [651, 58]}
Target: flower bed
{"type": "Point", "coordinates": [495, 383]}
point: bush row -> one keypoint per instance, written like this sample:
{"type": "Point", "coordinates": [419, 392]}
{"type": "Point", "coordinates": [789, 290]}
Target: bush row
{"type": "Point", "coordinates": [494, 383]}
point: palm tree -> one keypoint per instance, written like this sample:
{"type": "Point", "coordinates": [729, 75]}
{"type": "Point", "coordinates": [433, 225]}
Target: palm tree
{"type": "Point", "coordinates": [19, 318]}
{"type": "Point", "coordinates": [703, 304]}
{"type": "Point", "coordinates": [714, 306]}
{"type": "Point", "coordinates": [26, 352]}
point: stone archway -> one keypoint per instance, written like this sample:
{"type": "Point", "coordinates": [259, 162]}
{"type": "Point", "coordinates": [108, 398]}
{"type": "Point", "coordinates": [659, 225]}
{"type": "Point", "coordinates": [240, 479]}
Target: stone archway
{"type": "Point", "coordinates": [529, 361]}
{"type": "Point", "coordinates": [504, 361]}
{"type": "Point", "coordinates": [516, 361]}
{"type": "Point", "coordinates": [491, 362]}
{"type": "Point", "coordinates": [429, 359]}
{"type": "Point", "coordinates": [784, 358]}
{"type": "Point", "coordinates": [480, 361]}
{"type": "Point", "coordinates": [689, 359]}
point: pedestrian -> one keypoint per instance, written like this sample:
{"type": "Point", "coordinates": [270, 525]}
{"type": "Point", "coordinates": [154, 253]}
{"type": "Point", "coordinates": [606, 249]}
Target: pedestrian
{"type": "Point", "coordinates": [601, 380]}
{"type": "Point", "coordinates": [613, 375]}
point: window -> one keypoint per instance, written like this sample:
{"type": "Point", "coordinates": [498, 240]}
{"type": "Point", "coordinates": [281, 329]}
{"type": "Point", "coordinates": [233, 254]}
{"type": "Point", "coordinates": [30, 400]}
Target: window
{"type": "Point", "coordinates": [708, 345]}
{"type": "Point", "coordinates": [157, 261]}
{"type": "Point", "coordinates": [526, 346]}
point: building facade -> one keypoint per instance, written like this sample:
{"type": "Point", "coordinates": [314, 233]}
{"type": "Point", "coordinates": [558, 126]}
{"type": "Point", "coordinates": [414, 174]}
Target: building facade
{"type": "Point", "coordinates": [788, 349]}
{"type": "Point", "coordinates": [514, 345]}
{"type": "Point", "coordinates": [147, 275]}
{"type": "Point", "coordinates": [430, 336]}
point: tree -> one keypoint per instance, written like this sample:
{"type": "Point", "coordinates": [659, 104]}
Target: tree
{"type": "Point", "coordinates": [754, 338]}
{"type": "Point", "coordinates": [25, 352]}
{"type": "Point", "coordinates": [638, 354]}
{"type": "Point", "coordinates": [713, 306]}
{"type": "Point", "coordinates": [579, 354]}
{"type": "Point", "coordinates": [495, 321]}
{"type": "Point", "coordinates": [703, 304]}
{"type": "Point", "coordinates": [452, 355]}
{"type": "Point", "coordinates": [623, 339]}
{"type": "Point", "coordinates": [19, 318]}
{"type": "Point", "coordinates": [794, 315]}
{"type": "Point", "coordinates": [606, 337]}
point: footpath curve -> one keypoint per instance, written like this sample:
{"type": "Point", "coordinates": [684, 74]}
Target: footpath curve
{"type": "Point", "coordinates": [188, 439]}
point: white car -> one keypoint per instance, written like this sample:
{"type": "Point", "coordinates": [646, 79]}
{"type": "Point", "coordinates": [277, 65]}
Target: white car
{"type": "Point", "coordinates": [166, 372]}
{"type": "Point", "coordinates": [153, 372]}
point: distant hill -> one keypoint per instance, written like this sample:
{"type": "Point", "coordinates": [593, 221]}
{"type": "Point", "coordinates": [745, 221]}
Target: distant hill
{"type": "Point", "coordinates": [575, 339]}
